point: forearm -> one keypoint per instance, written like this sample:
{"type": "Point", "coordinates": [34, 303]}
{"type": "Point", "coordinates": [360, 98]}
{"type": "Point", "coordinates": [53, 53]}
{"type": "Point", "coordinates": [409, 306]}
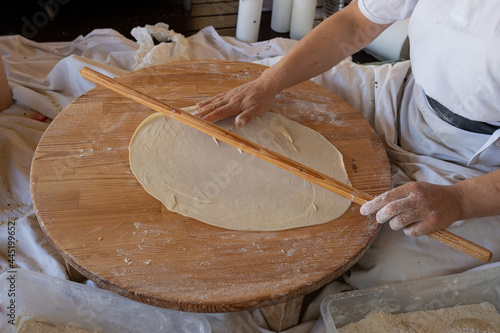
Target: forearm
{"type": "Point", "coordinates": [479, 196]}
{"type": "Point", "coordinates": [336, 38]}
{"type": "Point", "coordinates": [325, 46]}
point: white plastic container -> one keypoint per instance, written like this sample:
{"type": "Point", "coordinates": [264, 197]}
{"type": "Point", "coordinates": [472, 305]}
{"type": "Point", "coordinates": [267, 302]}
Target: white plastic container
{"type": "Point", "coordinates": [68, 303]}
{"type": "Point", "coordinates": [303, 12]}
{"type": "Point", "coordinates": [281, 15]}
{"type": "Point", "coordinates": [248, 22]}
{"type": "Point", "coordinates": [429, 294]}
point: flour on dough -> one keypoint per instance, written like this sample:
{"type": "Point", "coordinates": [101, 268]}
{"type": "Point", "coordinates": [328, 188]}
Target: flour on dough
{"type": "Point", "coordinates": [36, 325]}
{"type": "Point", "coordinates": [474, 318]}
{"type": "Point", "coordinates": [197, 176]}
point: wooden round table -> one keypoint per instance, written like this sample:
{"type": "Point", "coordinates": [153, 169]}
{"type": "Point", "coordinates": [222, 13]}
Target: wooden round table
{"type": "Point", "coordinates": [104, 224]}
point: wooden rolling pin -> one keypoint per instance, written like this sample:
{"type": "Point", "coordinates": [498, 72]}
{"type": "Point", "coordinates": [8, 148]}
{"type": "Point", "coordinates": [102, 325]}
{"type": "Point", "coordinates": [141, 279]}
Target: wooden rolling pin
{"type": "Point", "coordinates": [272, 157]}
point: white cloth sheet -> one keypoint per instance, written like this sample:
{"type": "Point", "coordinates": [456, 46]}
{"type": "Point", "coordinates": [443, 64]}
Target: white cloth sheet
{"type": "Point", "coordinates": [45, 78]}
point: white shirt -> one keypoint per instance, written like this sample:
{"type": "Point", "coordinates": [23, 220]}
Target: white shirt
{"type": "Point", "coordinates": [454, 50]}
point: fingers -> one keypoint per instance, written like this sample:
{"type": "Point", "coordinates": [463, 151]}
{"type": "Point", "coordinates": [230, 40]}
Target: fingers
{"type": "Point", "coordinates": [206, 102]}
{"type": "Point", "coordinates": [204, 105]}
{"type": "Point", "coordinates": [246, 116]}
{"type": "Point", "coordinates": [215, 108]}
{"type": "Point", "coordinates": [382, 200]}
{"type": "Point", "coordinates": [219, 108]}
{"type": "Point", "coordinates": [216, 111]}
{"type": "Point", "coordinates": [418, 229]}
{"type": "Point", "coordinates": [402, 214]}
{"type": "Point", "coordinates": [402, 208]}
{"type": "Point", "coordinates": [416, 208]}
{"type": "Point", "coordinates": [247, 101]}
{"type": "Point", "coordinates": [225, 105]}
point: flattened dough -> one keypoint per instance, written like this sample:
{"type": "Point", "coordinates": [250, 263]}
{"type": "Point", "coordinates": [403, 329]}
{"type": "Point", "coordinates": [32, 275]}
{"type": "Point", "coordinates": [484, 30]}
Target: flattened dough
{"type": "Point", "coordinates": [197, 176]}
{"type": "Point", "coordinates": [36, 325]}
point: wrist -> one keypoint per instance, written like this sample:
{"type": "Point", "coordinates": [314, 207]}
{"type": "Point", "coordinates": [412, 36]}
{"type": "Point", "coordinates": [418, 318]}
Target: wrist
{"type": "Point", "coordinates": [272, 82]}
{"type": "Point", "coordinates": [461, 200]}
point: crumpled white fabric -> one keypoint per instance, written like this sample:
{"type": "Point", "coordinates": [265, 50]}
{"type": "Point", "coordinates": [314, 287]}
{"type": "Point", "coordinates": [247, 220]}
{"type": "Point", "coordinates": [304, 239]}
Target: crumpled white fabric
{"type": "Point", "coordinates": [489, 153]}
{"type": "Point", "coordinates": [19, 137]}
{"type": "Point", "coordinates": [45, 77]}
{"type": "Point", "coordinates": [206, 44]}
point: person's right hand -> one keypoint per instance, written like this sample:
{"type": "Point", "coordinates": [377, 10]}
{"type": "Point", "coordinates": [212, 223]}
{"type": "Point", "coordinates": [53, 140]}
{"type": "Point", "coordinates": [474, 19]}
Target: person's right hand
{"type": "Point", "coordinates": [246, 101]}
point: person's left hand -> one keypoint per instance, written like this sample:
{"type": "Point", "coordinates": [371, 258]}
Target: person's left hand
{"type": "Point", "coordinates": [419, 208]}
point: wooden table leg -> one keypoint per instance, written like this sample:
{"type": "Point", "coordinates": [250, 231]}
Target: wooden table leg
{"type": "Point", "coordinates": [74, 275]}
{"type": "Point", "coordinates": [279, 317]}
{"type": "Point", "coordinates": [282, 316]}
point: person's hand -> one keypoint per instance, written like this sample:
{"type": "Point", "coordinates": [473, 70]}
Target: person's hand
{"type": "Point", "coordinates": [247, 101]}
{"type": "Point", "coordinates": [419, 208]}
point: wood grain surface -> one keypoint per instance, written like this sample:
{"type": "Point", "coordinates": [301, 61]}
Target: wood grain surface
{"type": "Point", "coordinates": [5, 93]}
{"type": "Point", "coordinates": [104, 223]}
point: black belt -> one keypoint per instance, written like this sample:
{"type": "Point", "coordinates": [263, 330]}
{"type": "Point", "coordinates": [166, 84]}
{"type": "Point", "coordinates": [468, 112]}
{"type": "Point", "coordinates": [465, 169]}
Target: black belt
{"type": "Point", "coordinates": [458, 121]}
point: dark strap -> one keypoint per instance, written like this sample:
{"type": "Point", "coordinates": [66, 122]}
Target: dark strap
{"type": "Point", "coordinates": [459, 121]}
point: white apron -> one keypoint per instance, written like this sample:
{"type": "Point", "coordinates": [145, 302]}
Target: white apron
{"type": "Point", "coordinates": [421, 147]}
